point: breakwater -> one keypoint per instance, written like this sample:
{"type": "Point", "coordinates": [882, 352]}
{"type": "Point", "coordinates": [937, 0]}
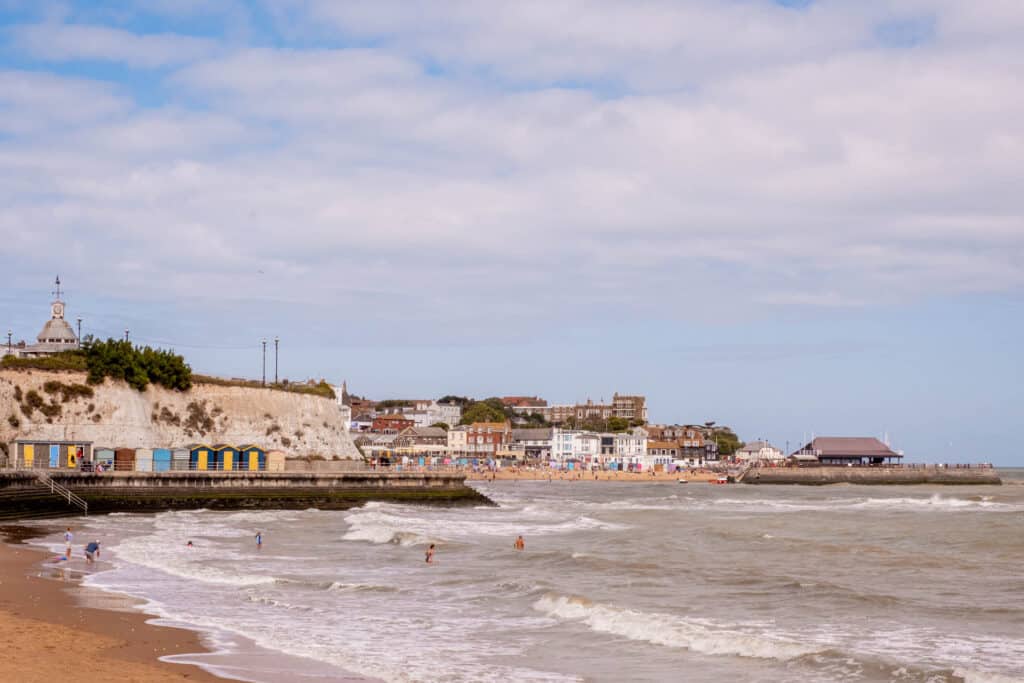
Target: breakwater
{"type": "Point", "coordinates": [816, 476]}
{"type": "Point", "coordinates": [23, 495]}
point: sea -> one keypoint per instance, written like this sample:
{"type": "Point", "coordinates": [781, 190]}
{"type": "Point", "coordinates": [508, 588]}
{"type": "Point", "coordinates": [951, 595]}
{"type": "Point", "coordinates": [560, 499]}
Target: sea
{"type": "Point", "coordinates": [617, 582]}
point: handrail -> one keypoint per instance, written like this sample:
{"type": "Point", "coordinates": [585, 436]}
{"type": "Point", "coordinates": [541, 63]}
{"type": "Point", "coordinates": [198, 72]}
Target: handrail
{"type": "Point", "coordinates": [62, 491]}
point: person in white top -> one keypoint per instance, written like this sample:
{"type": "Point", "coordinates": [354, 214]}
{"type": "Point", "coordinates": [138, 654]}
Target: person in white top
{"type": "Point", "coordinates": [68, 537]}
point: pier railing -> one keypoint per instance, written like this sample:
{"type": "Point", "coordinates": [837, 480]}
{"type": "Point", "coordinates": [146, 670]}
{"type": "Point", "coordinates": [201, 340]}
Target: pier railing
{"type": "Point", "coordinates": [60, 490]}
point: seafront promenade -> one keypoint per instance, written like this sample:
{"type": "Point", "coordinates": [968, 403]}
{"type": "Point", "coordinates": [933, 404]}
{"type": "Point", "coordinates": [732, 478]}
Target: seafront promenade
{"type": "Point", "coordinates": [26, 493]}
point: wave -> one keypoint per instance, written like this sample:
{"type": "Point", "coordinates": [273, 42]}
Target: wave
{"type": "Point", "coordinates": [378, 525]}
{"type": "Point", "coordinates": [935, 502]}
{"type": "Point", "coordinates": [669, 630]}
{"type": "Point", "coordinates": [971, 676]}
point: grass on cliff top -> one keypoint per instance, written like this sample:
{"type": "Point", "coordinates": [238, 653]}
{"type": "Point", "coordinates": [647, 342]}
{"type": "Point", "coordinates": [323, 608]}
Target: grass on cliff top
{"type": "Point", "coordinates": [323, 389]}
{"type": "Point", "coordinates": [66, 361]}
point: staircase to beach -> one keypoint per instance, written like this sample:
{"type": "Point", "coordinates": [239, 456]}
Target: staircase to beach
{"type": "Point", "coordinates": [34, 499]}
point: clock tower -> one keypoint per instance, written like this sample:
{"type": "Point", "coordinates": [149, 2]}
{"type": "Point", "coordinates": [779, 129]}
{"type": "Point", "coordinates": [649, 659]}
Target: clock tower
{"type": "Point", "coordinates": [57, 307]}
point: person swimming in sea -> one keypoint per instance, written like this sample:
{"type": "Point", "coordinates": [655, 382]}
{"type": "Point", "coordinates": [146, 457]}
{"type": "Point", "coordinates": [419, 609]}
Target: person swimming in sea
{"type": "Point", "coordinates": [189, 544]}
{"type": "Point", "coordinates": [430, 554]}
{"type": "Point", "coordinates": [520, 543]}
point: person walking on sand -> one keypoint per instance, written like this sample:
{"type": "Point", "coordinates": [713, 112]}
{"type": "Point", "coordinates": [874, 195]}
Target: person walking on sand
{"type": "Point", "coordinates": [520, 543]}
{"type": "Point", "coordinates": [68, 537]}
{"type": "Point", "coordinates": [430, 554]}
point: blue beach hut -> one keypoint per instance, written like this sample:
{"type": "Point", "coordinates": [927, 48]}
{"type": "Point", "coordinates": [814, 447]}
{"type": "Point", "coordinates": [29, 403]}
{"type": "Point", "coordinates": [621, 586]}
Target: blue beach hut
{"type": "Point", "coordinates": [161, 459]}
{"type": "Point", "coordinates": [200, 457]}
{"type": "Point", "coordinates": [253, 458]}
{"type": "Point", "coordinates": [226, 457]}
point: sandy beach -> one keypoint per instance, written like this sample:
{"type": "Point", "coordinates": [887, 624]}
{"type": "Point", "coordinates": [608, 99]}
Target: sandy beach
{"type": "Point", "coordinates": [510, 474]}
{"type": "Point", "coordinates": [49, 637]}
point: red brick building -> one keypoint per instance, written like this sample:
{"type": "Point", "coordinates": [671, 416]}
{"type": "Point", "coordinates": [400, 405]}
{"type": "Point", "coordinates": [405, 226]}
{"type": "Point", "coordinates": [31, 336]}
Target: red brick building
{"type": "Point", "coordinates": [391, 424]}
{"type": "Point", "coordinates": [484, 439]}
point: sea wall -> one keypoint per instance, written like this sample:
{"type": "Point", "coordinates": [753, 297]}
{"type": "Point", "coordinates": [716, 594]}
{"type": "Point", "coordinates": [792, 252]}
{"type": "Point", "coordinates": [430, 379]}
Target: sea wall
{"type": "Point", "coordinates": [118, 416]}
{"type": "Point", "coordinates": [871, 475]}
{"type": "Point", "coordinates": [22, 495]}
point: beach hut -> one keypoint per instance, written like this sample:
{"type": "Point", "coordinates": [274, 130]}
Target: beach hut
{"type": "Point", "coordinates": [200, 457]}
{"type": "Point", "coordinates": [143, 459]}
{"type": "Point", "coordinates": [226, 457]}
{"type": "Point", "coordinates": [253, 458]}
{"type": "Point", "coordinates": [161, 459]}
{"type": "Point", "coordinates": [104, 457]}
{"type": "Point", "coordinates": [275, 461]}
{"type": "Point", "coordinates": [179, 459]}
{"type": "Point", "coordinates": [124, 459]}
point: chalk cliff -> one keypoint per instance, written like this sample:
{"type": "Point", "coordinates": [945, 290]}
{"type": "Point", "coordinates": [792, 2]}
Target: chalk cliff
{"type": "Point", "coordinates": [59, 405]}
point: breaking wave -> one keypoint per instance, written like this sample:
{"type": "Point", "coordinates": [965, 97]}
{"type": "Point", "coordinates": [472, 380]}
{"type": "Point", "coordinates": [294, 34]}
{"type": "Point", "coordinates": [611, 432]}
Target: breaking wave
{"type": "Point", "coordinates": [669, 630]}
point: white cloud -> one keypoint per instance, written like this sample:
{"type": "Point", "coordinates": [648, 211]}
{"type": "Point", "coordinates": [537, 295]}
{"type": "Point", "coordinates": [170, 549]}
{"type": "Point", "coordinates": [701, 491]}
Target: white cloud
{"type": "Point", "coordinates": [799, 164]}
{"type": "Point", "coordinates": [59, 42]}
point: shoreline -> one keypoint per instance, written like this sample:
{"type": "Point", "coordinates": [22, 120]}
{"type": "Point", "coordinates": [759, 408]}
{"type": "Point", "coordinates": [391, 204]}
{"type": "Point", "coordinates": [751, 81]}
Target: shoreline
{"type": "Point", "coordinates": [50, 635]}
{"type": "Point", "coordinates": [508, 474]}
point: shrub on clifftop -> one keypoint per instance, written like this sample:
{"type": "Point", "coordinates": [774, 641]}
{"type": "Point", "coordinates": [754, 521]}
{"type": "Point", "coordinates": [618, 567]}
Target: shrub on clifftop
{"type": "Point", "coordinates": [138, 366]}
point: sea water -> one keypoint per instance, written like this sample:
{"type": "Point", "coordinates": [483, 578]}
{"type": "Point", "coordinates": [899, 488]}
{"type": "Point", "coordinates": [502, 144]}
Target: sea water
{"type": "Point", "coordinates": [618, 582]}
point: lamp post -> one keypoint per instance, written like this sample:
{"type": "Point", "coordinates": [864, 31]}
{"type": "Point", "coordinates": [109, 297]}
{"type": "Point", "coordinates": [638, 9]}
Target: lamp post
{"type": "Point", "coordinates": [126, 334]}
{"type": "Point", "coordinates": [9, 352]}
{"type": "Point", "coordinates": [264, 342]}
{"type": "Point", "coordinates": [277, 342]}
{"type": "Point", "coordinates": [79, 333]}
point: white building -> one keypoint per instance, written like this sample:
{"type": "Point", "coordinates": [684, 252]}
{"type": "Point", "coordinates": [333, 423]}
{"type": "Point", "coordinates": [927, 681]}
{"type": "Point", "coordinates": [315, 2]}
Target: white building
{"type": "Point", "coordinates": [759, 451]}
{"type": "Point", "coordinates": [429, 413]}
{"type": "Point", "coordinates": [457, 442]}
{"type": "Point", "coordinates": [573, 445]}
{"type": "Point", "coordinates": [55, 337]}
{"type": "Point", "coordinates": [631, 445]}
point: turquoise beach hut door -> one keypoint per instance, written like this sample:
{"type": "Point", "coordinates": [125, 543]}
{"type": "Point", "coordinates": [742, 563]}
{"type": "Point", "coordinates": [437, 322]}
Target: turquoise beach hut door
{"type": "Point", "coordinates": [54, 456]}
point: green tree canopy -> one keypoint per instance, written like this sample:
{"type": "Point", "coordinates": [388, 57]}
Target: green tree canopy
{"type": "Point", "coordinates": [483, 411]}
{"type": "Point", "coordinates": [136, 365]}
{"type": "Point", "coordinates": [728, 442]}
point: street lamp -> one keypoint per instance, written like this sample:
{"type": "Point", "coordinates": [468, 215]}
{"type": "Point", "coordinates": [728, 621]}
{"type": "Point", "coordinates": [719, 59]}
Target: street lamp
{"type": "Point", "coordinates": [9, 343]}
{"type": "Point", "coordinates": [126, 334]}
{"type": "Point", "coordinates": [79, 333]}
{"type": "Point", "coordinates": [277, 341]}
{"type": "Point", "coordinates": [264, 342]}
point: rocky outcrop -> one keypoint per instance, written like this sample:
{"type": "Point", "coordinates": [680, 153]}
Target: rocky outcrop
{"type": "Point", "coordinates": [37, 404]}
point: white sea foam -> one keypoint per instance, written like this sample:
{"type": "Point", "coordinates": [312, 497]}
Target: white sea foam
{"type": "Point", "coordinates": [381, 525]}
{"type": "Point", "coordinates": [971, 676]}
{"type": "Point", "coordinates": [935, 502]}
{"type": "Point", "coordinates": [669, 630]}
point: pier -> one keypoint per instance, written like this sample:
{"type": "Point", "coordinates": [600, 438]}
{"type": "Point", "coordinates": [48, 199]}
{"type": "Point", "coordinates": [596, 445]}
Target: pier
{"type": "Point", "coordinates": [817, 475]}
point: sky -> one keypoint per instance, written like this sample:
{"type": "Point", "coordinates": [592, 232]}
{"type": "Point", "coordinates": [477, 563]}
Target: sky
{"type": "Point", "coordinates": [792, 217]}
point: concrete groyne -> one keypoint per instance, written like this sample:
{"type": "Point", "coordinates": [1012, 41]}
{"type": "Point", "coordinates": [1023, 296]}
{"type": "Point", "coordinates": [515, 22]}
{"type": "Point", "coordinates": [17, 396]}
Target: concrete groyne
{"type": "Point", "coordinates": [22, 495]}
{"type": "Point", "coordinates": [816, 476]}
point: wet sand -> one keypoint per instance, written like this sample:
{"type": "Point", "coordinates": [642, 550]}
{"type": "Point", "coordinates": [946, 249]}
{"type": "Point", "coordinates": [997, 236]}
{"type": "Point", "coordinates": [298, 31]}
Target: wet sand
{"type": "Point", "coordinates": [49, 637]}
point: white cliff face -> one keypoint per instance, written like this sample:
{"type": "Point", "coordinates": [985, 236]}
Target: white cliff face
{"type": "Point", "coordinates": [118, 416]}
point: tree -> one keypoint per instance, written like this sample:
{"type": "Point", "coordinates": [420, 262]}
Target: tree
{"type": "Point", "coordinates": [442, 425]}
{"type": "Point", "coordinates": [618, 424]}
{"type": "Point", "coordinates": [483, 411]}
{"type": "Point", "coordinates": [536, 420]}
{"type": "Point", "coordinates": [728, 442]}
{"type": "Point", "coordinates": [458, 400]}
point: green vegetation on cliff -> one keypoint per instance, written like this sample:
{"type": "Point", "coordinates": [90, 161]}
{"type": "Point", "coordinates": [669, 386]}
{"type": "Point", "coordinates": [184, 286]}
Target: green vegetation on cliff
{"type": "Point", "coordinates": [137, 365]}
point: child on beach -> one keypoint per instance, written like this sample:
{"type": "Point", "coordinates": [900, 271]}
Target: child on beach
{"type": "Point", "coordinates": [520, 543]}
{"type": "Point", "coordinates": [430, 554]}
{"type": "Point", "coordinates": [68, 537]}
